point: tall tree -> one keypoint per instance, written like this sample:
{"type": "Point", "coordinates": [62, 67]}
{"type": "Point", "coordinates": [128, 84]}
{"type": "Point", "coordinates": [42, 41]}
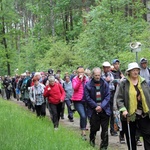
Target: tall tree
{"type": "Point", "coordinates": [3, 41]}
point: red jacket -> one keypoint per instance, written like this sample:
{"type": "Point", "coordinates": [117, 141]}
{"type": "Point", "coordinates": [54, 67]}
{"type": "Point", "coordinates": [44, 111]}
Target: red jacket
{"type": "Point", "coordinates": [55, 94]}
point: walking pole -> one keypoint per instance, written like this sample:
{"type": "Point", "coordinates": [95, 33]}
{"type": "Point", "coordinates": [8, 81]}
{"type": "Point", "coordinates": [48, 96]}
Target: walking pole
{"type": "Point", "coordinates": [129, 132]}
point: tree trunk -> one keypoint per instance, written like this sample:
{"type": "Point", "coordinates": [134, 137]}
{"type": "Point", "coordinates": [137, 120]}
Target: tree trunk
{"type": "Point", "coordinates": [145, 6]}
{"type": "Point", "coordinates": [5, 43]}
{"type": "Point", "coordinates": [52, 18]}
{"type": "Point", "coordinates": [71, 23]}
{"type": "Point", "coordinates": [66, 25]}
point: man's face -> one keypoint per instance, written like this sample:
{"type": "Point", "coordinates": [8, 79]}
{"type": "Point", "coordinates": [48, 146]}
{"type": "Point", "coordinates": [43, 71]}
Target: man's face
{"type": "Point", "coordinates": [97, 75]}
{"type": "Point", "coordinates": [27, 74]}
{"type": "Point", "coordinates": [144, 65]}
{"type": "Point", "coordinates": [116, 65]}
{"type": "Point", "coordinates": [106, 69]}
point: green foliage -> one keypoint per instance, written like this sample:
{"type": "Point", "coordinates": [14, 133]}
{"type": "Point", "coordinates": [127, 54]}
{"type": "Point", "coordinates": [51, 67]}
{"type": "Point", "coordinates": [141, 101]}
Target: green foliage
{"type": "Point", "coordinates": [108, 32]}
{"type": "Point", "coordinates": [86, 33]}
{"type": "Point", "coordinates": [59, 55]}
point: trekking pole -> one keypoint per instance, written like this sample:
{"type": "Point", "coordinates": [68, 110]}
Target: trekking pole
{"type": "Point", "coordinates": [128, 120]}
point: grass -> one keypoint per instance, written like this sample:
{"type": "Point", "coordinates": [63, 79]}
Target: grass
{"type": "Point", "coordinates": [22, 130]}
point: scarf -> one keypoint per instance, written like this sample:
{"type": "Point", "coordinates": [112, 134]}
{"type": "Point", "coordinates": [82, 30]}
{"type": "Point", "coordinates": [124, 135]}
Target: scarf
{"type": "Point", "coordinates": [133, 98]}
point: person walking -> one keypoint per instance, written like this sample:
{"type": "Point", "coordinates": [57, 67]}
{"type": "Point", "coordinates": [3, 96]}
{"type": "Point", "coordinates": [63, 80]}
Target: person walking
{"type": "Point", "coordinates": [17, 87]}
{"type": "Point", "coordinates": [133, 100]}
{"type": "Point", "coordinates": [8, 86]}
{"type": "Point", "coordinates": [78, 83]}
{"type": "Point", "coordinates": [97, 96]}
{"type": "Point", "coordinates": [118, 75]}
{"type": "Point", "coordinates": [3, 88]}
{"type": "Point", "coordinates": [61, 81]}
{"type": "Point", "coordinates": [109, 78]}
{"type": "Point", "coordinates": [67, 85]}
{"type": "Point", "coordinates": [56, 95]}
{"type": "Point", "coordinates": [145, 73]}
{"type": "Point", "coordinates": [144, 70]}
{"type": "Point", "coordinates": [24, 89]}
{"type": "Point", "coordinates": [37, 98]}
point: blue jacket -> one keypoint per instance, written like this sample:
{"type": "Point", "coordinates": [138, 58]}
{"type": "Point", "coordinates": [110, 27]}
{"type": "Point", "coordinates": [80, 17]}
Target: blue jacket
{"type": "Point", "coordinates": [90, 96]}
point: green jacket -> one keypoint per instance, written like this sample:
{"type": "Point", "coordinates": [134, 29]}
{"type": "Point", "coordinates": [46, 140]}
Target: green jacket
{"type": "Point", "coordinates": [122, 95]}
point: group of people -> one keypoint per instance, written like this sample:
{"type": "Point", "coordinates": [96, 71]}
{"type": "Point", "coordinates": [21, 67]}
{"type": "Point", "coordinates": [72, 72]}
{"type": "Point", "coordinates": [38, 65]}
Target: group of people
{"type": "Point", "coordinates": [95, 95]}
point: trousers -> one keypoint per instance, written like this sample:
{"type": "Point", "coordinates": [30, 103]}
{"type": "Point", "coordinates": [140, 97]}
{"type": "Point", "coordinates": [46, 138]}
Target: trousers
{"type": "Point", "coordinates": [98, 120]}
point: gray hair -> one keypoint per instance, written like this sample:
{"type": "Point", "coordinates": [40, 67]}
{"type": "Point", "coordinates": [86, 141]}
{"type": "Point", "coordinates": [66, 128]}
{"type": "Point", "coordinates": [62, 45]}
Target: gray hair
{"type": "Point", "coordinates": [51, 78]}
{"type": "Point", "coordinates": [95, 69]}
{"type": "Point", "coordinates": [87, 71]}
{"type": "Point", "coordinates": [57, 75]}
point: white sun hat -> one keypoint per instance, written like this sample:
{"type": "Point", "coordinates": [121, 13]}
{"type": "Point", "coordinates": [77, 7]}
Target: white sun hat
{"type": "Point", "coordinates": [106, 64]}
{"type": "Point", "coordinates": [133, 65]}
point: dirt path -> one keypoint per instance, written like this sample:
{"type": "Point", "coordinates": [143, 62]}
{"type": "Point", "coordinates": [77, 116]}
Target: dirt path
{"type": "Point", "coordinates": [113, 140]}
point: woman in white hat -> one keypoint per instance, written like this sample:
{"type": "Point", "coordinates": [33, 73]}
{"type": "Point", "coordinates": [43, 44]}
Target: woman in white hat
{"type": "Point", "coordinates": [133, 100]}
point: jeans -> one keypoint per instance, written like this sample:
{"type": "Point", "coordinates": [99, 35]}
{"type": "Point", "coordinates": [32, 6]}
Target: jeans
{"type": "Point", "coordinates": [70, 112]}
{"type": "Point", "coordinates": [81, 109]}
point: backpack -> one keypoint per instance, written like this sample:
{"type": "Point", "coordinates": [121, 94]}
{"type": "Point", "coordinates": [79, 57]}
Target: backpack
{"type": "Point", "coordinates": [148, 70]}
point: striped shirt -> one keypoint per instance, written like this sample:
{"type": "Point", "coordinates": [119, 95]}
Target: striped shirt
{"type": "Point", "coordinates": [98, 93]}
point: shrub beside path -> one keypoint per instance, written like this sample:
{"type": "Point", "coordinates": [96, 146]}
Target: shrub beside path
{"type": "Point", "coordinates": [113, 140]}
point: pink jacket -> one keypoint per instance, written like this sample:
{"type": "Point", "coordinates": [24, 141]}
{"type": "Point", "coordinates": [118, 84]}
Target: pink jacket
{"type": "Point", "coordinates": [78, 88]}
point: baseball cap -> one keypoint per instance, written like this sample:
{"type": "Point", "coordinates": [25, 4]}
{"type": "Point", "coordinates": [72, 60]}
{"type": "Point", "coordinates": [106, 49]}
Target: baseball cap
{"type": "Point", "coordinates": [115, 60]}
{"type": "Point", "coordinates": [50, 71]}
{"type": "Point", "coordinates": [106, 64]}
{"type": "Point", "coordinates": [143, 60]}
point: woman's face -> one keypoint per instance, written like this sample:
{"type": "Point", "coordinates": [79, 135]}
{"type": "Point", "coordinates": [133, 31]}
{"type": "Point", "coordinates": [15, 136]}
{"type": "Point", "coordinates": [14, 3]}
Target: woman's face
{"type": "Point", "coordinates": [67, 79]}
{"type": "Point", "coordinates": [134, 73]}
{"type": "Point", "coordinates": [80, 72]}
{"type": "Point", "coordinates": [36, 82]}
{"type": "Point", "coordinates": [51, 83]}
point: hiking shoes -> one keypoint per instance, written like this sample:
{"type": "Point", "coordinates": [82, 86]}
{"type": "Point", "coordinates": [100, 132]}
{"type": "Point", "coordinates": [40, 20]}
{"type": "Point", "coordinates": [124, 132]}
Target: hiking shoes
{"type": "Point", "coordinates": [62, 117]}
{"type": "Point", "coordinates": [139, 143]}
{"type": "Point", "coordinates": [56, 128]}
{"type": "Point", "coordinates": [83, 137]}
{"type": "Point", "coordinates": [114, 133]}
{"type": "Point", "coordinates": [92, 143]}
{"type": "Point", "coordinates": [122, 140]}
{"type": "Point", "coordinates": [71, 120]}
